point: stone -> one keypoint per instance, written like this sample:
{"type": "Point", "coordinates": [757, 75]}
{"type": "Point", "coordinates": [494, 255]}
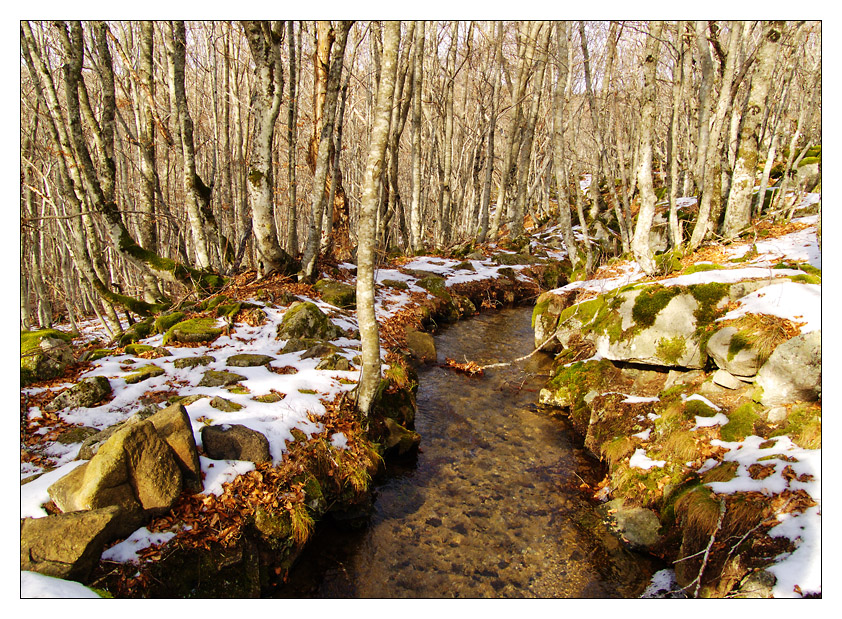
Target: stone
{"type": "Point", "coordinates": [398, 439]}
{"type": "Point", "coordinates": [77, 435]}
{"type": "Point", "coordinates": [334, 362]}
{"type": "Point", "coordinates": [149, 352]}
{"type": "Point", "coordinates": [759, 584]}
{"type": "Point", "coordinates": [136, 332]}
{"type": "Point", "coordinates": [86, 393]}
{"type": "Point", "coordinates": [44, 354]}
{"type": "Point", "coordinates": [173, 425]}
{"type": "Point", "coordinates": [220, 378]}
{"type": "Point", "coordinates": [143, 373]}
{"type": "Point", "coordinates": [165, 322]}
{"type": "Point", "coordinates": [320, 351]}
{"type": "Point", "coordinates": [306, 320]}
{"type": "Point", "coordinates": [235, 442]}
{"type": "Point", "coordinates": [513, 259]}
{"type": "Point", "coordinates": [726, 379]}
{"type": "Point", "coordinates": [395, 283]}
{"type": "Point", "coordinates": [744, 362]}
{"type": "Point", "coordinates": [776, 414]}
{"type": "Point", "coordinates": [682, 377]}
{"type": "Point", "coordinates": [226, 406]}
{"type": "Point", "coordinates": [247, 360]}
{"type": "Point", "coordinates": [133, 466]}
{"type": "Point", "coordinates": [337, 293]}
{"type": "Point", "coordinates": [191, 362]}
{"type": "Point", "coordinates": [637, 526]}
{"type": "Point", "coordinates": [793, 372]}
{"type": "Point", "coordinates": [69, 545]}
{"type": "Point", "coordinates": [195, 330]}
{"type": "Point", "coordinates": [422, 346]}
{"type": "Point", "coordinates": [269, 398]}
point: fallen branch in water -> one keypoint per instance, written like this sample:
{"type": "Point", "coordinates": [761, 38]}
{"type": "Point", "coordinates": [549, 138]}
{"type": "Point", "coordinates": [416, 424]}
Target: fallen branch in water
{"type": "Point", "coordinates": [525, 357]}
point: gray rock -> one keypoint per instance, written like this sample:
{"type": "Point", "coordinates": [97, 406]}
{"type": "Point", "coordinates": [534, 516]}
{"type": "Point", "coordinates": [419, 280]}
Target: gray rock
{"type": "Point", "coordinates": [726, 379]}
{"type": "Point", "coordinates": [422, 346]}
{"type": "Point", "coordinates": [793, 373]}
{"type": "Point", "coordinates": [86, 393]}
{"type": "Point", "coordinates": [191, 362]}
{"type": "Point", "coordinates": [306, 320]}
{"type": "Point", "coordinates": [46, 359]}
{"type": "Point", "coordinates": [637, 526]}
{"type": "Point", "coordinates": [221, 378]}
{"type": "Point", "coordinates": [67, 546]}
{"type": "Point", "coordinates": [144, 373]}
{"type": "Point", "coordinates": [337, 293]}
{"type": "Point", "coordinates": [235, 442]}
{"type": "Point", "coordinates": [744, 363]}
{"type": "Point", "coordinates": [758, 584]}
{"type": "Point", "coordinates": [226, 406]}
{"type": "Point", "coordinates": [246, 360]}
{"type": "Point", "coordinates": [682, 377]}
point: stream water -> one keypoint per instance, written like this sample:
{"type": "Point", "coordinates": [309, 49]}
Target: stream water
{"type": "Point", "coordinates": [490, 508]}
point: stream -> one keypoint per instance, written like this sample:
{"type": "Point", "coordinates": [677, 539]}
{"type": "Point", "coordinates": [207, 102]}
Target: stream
{"type": "Point", "coordinates": [491, 507]}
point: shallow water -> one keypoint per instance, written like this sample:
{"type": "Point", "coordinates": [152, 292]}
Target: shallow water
{"type": "Point", "coordinates": [490, 507]}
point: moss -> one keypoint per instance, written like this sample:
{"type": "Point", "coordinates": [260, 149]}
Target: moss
{"type": "Point", "coordinates": [99, 353]}
{"type": "Point", "coordinates": [739, 341]}
{"type": "Point", "coordinates": [255, 177]}
{"type": "Point", "coordinates": [650, 302]}
{"type": "Point", "coordinates": [394, 283]}
{"type": "Point", "coordinates": [681, 445]}
{"type": "Point", "coordinates": [698, 268]}
{"type": "Point", "coordinates": [435, 285]}
{"type": "Point", "coordinates": [269, 398]}
{"type": "Point", "coordinates": [614, 450]}
{"type": "Point", "coordinates": [803, 425]}
{"type": "Point", "coordinates": [740, 423]}
{"type": "Point", "coordinates": [809, 161]}
{"type": "Point", "coordinates": [226, 406]}
{"type": "Point", "coordinates": [193, 330]}
{"type": "Point", "coordinates": [809, 268]}
{"type": "Point", "coordinates": [136, 349]}
{"type": "Point", "coordinates": [137, 331]}
{"type": "Point", "coordinates": [668, 262]}
{"type": "Point", "coordinates": [144, 373]}
{"type": "Point", "coordinates": [708, 297]}
{"type": "Point", "coordinates": [725, 471]}
{"type": "Point", "coordinates": [30, 340]}
{"type": "Point", "coordinates": [697, 408]}
{"type": "Point", "coordinates": [165, 322]}
{"type": "Point", "coordinates": [191, 362]}
{"type": "Point", "coordinates": [698, 510]}
{"type": "Point", "coordinates": [806, 279]}
{"type": "Point", "coordinates": [671, 350]}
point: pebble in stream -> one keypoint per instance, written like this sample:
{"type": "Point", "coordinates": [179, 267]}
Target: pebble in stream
{"type": "Point", "coordinates": [487, 512]}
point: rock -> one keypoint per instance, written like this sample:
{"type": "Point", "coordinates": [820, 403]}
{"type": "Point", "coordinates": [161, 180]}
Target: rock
{"type": "Point", "coordinates": [220, 378]}
{"type": "Point", "coordinates": [235, 442]}
{"type": "Point", "coordinates": [395, 283]}
{"type": "Point", "coordinates": [320, 350]}
{"type": "Point", "coordinates": [513, 259]}
{"type": "Point", "coordinates": [44, 354]}
{"type": "Point", "coordinates": [77, 435]}
{"type": "Point", "coordinates": [297, 344]}
{"type": "Point", "coordinates": [269, 398]}
{"type": "Point", "coordinates": [399, 439]}
{"type": "Point", "coordinates": [143, 373]}
{"type": "Point", "coordinates": [191, 362]}
{"type": "Point", "coordinates": [153, 352]}
{"type": "Point", "coordinates": [134, 466]}
{"type": "Point", "coordinates": [682, 377]}
{"type": "Point", "coordinates": [195, 330]}
{"type": "Point", "coordinates": [165, 322]}
{"type": "Point", "coordinates": [465, 266]}
{"type": "Point", "coordinates": [422, 346]}
{"type": "Point", "coordinates": [721, 347]}
{"type": "Point", "coordinates": [173, 425]}
{"type": "Point", "coordinates": [136, 332]}
{"type": "Point", "coordinates": [726, 379]}
{"type": "Point", "coordinates": [758, 584]}
{"type": "Point", "coordinates": [246, 360]}
{"type": "Point", "coordinates": [477, 255]}
{"type": "Point", "coordinates": [793, 373]}
{"type": "Point", "coordinates": [86, 393]}
{"type": "Point", "coordinates": [334, 362]}
{"type": "Point", "coordinates": [226, 406]}
{"type": "Point", "coordinates": [776, 414]}
{"type": "Point", "coordinates": [305, 320]}
{"type": "Point", "coordinates": [637, 526]}
{"type": "Point", "coordinates": [436, 285]}
{"type": "Point", "coordinates": [67, 546]}
{"type": "Point", "coordinates": [337, 293]}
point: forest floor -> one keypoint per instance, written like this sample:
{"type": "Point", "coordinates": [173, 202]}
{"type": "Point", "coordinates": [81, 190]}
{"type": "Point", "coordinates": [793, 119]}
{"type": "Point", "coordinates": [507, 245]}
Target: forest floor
{"type": "Point", "coordinates": [305, 395]}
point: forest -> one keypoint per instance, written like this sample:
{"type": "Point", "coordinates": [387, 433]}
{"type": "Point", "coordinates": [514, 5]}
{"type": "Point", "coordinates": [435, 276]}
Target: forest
{"type": "Point", "coordinates": [181, 178]}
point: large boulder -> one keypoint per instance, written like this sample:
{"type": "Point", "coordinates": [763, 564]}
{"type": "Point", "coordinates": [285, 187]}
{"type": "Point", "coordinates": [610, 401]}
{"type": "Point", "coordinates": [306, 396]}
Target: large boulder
{"type": "Point", "coordinates": [44, 354]}
{"type": "Point", "coordinates": [235, 442]}
{"type": "Point", "coordinates": [649, 324]}
{"type": "Point", "coordinates": [67, 546]}
{"type": "Point", "coordinates": [793, 372]}
{"type": "Point", "coordinates": [303, 320]}
{"type": "Point", "coordinates": [220, 378]}
{"type": "Point", "coordinates": [248, 360]}
{"type": "Point", "coordinates": [173, 425]}
{"type": "Point", "coordinates": [86, 393]}
{"type": "Point", "coordinates": [337, 293]}
{"type": "Point", "coordinates": [637, 526]}
{"type": "Point", "coordinates": [195, 330]}
{"type": "Point", "coordinates": [134, 469]}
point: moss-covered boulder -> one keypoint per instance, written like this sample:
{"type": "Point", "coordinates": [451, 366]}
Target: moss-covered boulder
{"type": "Point", "coordinates": [303, 320]}
{"type": "Point", "coordinates": [195, 330]}
{"type": "Point", "coordinates": [337, 293]}
{"type": "Point", "coordinates": [514, 259]}
{"type": "Point", "coordinates": [137, 332]}
{"type": "Point", "coordinates": [192, 362]}
{"type": "Point", "coordinates": [86, 393]}
{"type": "Point", "coordinates": [220, 378]}
{"type": "Point", "coordinates": [793, 372]}
{"type": "Point", "coordinates": [226, 406]}
{"type": "Point", "coordinates": [648, 323]}
{"type": "Point", "coordinates": [248, 360]}
{"type": "Point", "coordinates": [395, 283]}
{"type": "Point", "coordinates": [148, 352]}
{"type": "Point", "coordinates": [44, 354]}
{"type": "Point", "coordinates": [436, 286]}
{"type": "Point", "coordinates": [165, 322]}
{"type": "Point", "coordinates": [334, 362]}
{"type": "Point", "coordinates": [421, 345]}
{"type": "Point", "coordinates": [733, 352]}
{"type": "Point", "coordinates": [143, 373]}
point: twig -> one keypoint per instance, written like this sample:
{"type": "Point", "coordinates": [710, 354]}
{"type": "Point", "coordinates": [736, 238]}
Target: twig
{"type": "Point", "coordinates": [508, 363]}
{"type": "Point", "coordinates": [698, 580]}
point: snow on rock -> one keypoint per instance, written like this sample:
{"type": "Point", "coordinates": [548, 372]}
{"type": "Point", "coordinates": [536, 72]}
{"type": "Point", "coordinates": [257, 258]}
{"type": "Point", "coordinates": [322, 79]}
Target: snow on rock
{"type": "Point", "coordinates": [641, 461]}
{"type": "Point", "coordinates": [801, 303]}
{"type": "Point", "coordinates": [127, 550]}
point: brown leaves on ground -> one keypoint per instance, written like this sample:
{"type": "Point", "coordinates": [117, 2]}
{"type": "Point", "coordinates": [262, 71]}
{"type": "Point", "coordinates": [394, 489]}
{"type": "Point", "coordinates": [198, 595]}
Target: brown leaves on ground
{"type": "Point", "coordinates": [469, 367]}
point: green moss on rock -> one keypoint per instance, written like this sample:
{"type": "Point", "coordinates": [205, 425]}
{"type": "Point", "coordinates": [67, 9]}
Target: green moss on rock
{"type": "Point", "coordinates": [740, 422]}
{"type": "Point", "coordinates": [650, 302]}
{"type": "Point", "coordinates": [195, 330]}
{"type": "Point", "coordinates": [671, 350]}
{"type": "Point", "coordinates": [144, 373]}
{"type": "Point", "coordinates": [165, 322]}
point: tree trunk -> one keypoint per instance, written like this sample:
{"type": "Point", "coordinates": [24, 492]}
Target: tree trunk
{"type": "Point", "coordinates": [640, 241]}
{"type": "Point", "coordinates": [417, 82]}
{"type": "Point", "coordinates": [369, 333]}
{"type": "Point", "coordinates": [738, 211]}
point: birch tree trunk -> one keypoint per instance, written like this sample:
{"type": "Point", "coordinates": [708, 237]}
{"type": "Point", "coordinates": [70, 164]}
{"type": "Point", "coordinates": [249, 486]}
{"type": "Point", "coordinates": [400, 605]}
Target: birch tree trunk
{"type": "Point", "coordinates": [369, 332]}
{"type": "Point", "coordinates": [492, 127]}
{"type": "Point", "coordinates": [640, 242]}
{"type": "Point", "coordinates": [738, 211]}
{"type": "Point", "coordinates": [417, 82]}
